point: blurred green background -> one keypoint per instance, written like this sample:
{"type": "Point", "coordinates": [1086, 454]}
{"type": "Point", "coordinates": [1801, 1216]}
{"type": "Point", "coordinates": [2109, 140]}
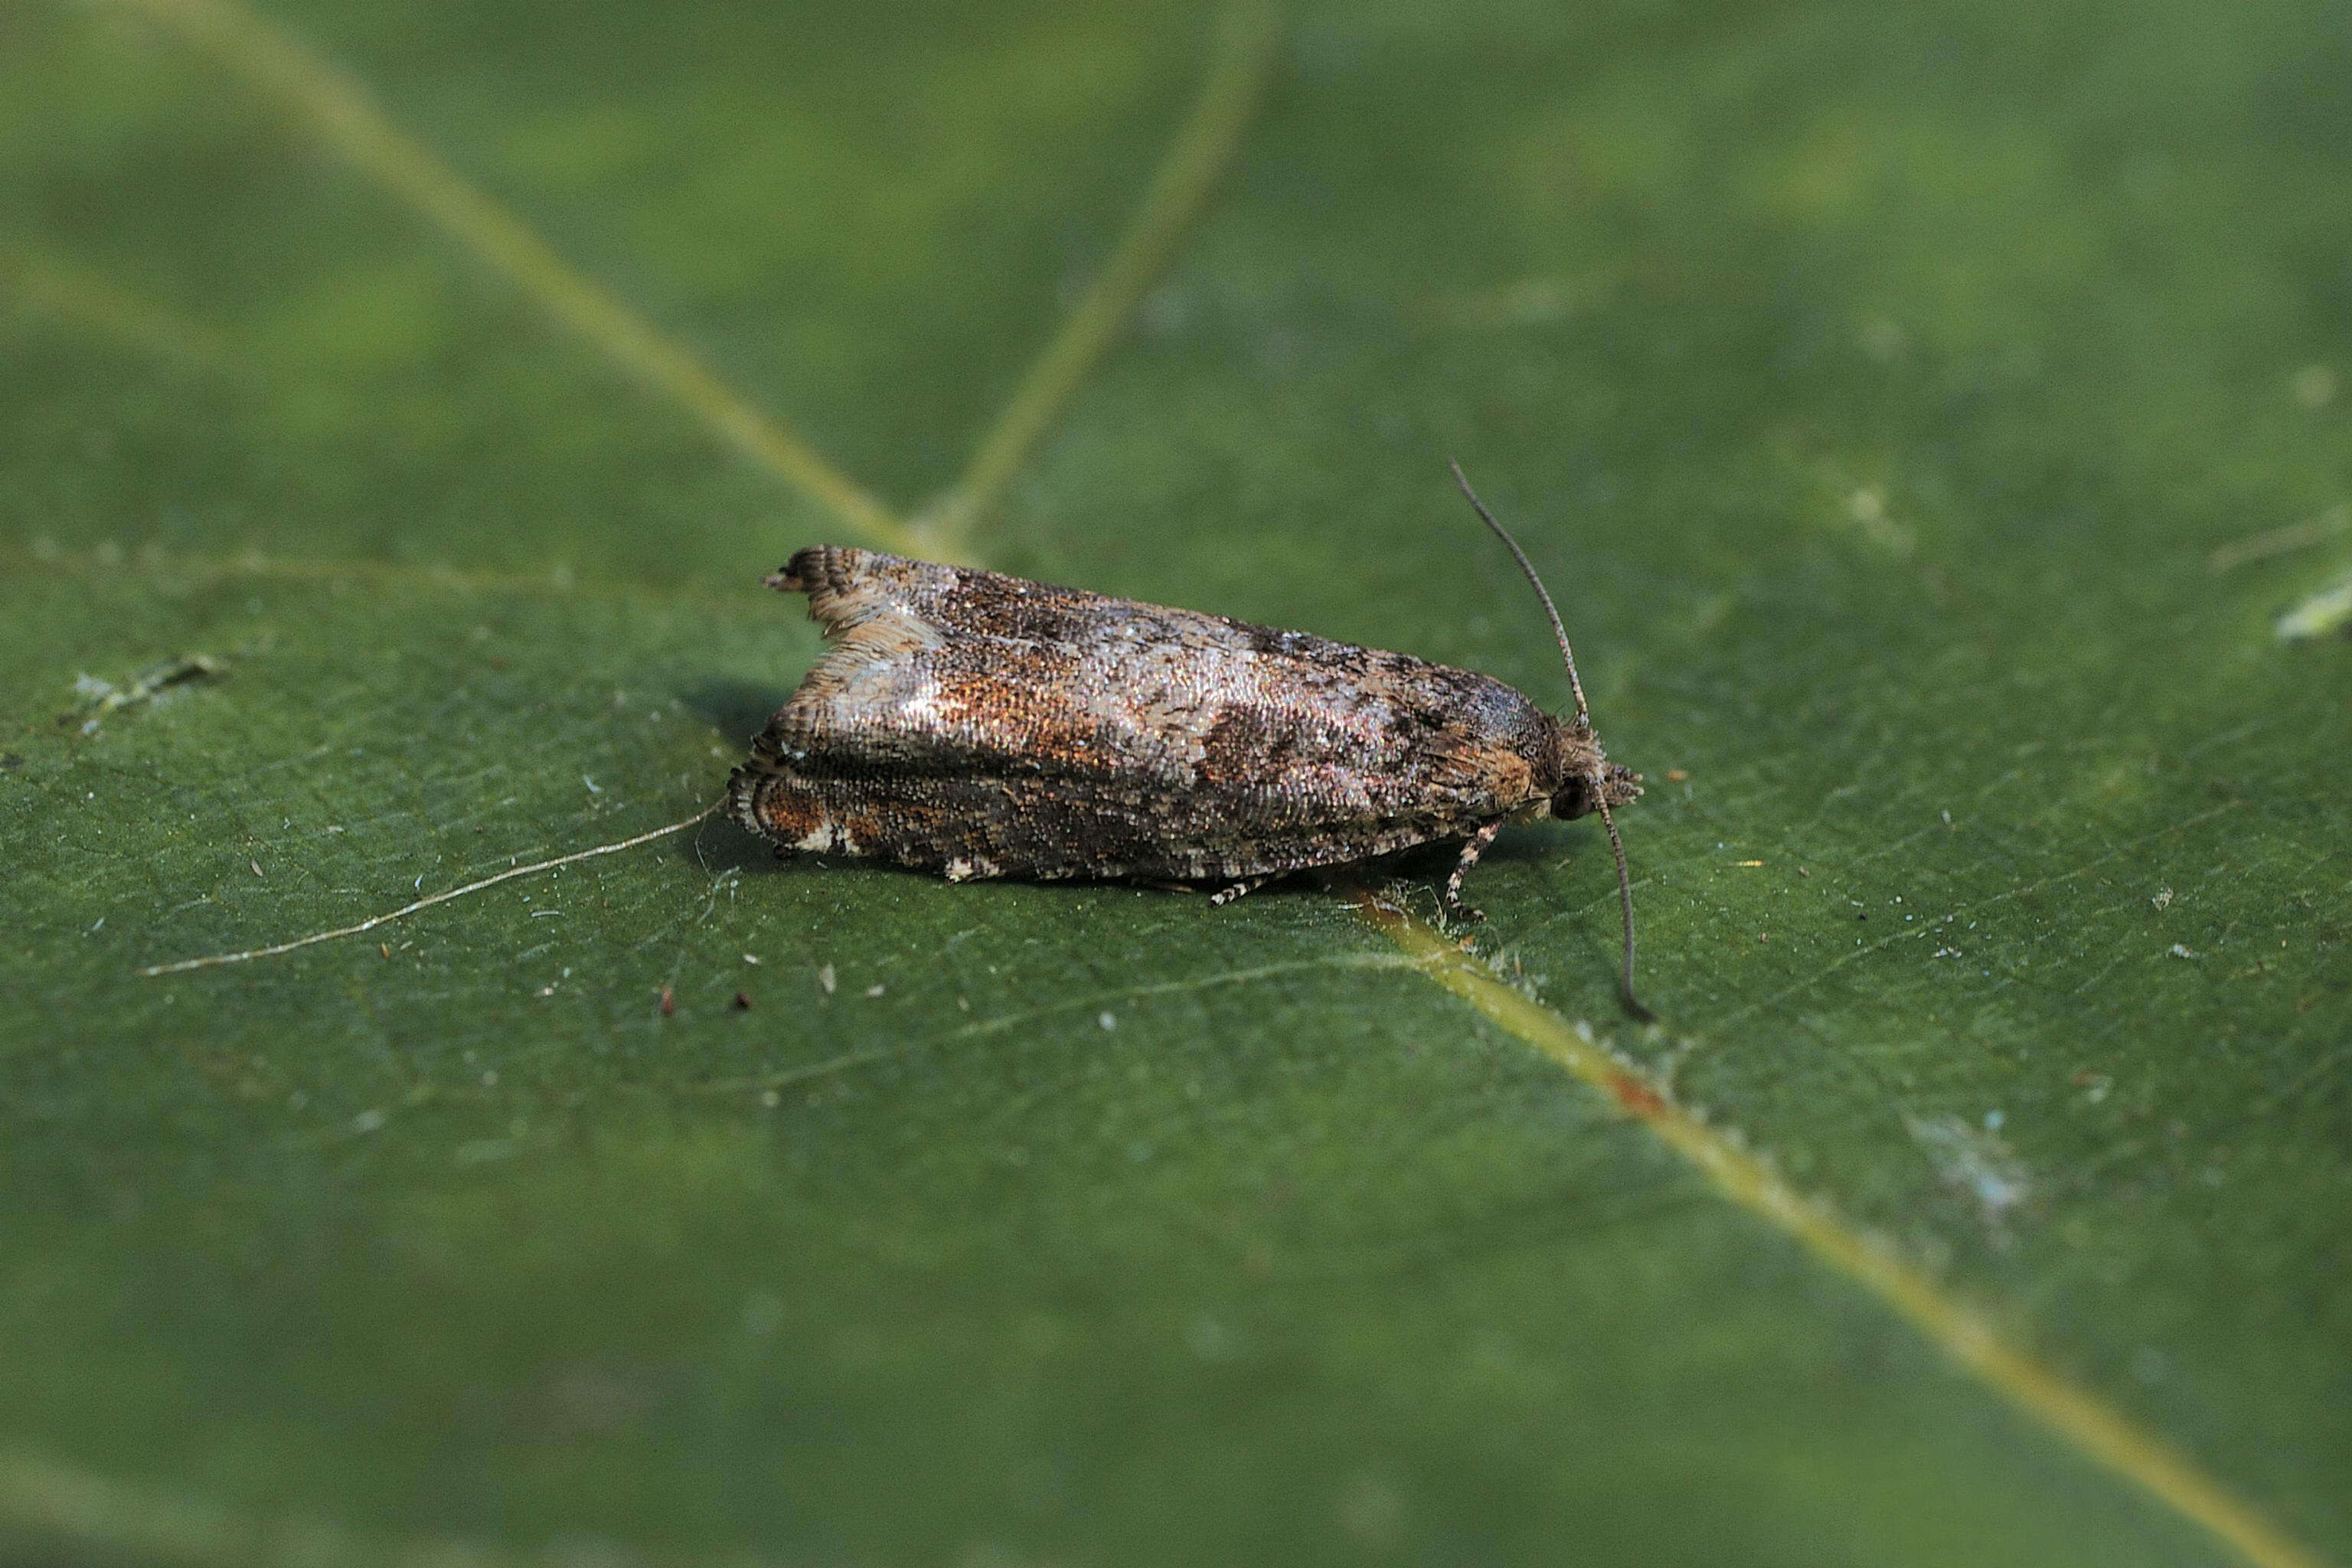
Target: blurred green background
{"type": "Point", "coordinates": [1927, 417]}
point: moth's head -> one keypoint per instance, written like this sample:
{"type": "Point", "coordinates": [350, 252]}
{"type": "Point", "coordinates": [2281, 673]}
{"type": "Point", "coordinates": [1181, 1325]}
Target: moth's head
{"type": "Point", "coordinates": [1584, 778]}
{"type": "Point", "coordinates": [1583, 796]}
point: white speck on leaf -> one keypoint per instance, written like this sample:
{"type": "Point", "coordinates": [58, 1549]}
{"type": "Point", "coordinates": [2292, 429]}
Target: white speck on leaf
{"type": "Point", "coordinates": [2327, 611]}
{"type": "Point", "coordinates": [1973, 1160]}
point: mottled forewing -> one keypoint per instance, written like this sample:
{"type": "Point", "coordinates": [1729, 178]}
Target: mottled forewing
{"type": "Point", "coordinates": [978, 725]}
{"type": "Point", "coordinates": [942, 670]}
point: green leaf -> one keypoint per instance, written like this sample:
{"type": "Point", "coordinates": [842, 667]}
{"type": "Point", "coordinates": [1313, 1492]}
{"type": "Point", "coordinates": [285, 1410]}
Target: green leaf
{"type": "Point", "coordinates": [1928, 419]}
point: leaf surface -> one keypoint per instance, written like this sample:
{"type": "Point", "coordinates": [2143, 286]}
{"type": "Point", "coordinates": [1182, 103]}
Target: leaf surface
{"type": "Point", "coordinates": [1923, 416]}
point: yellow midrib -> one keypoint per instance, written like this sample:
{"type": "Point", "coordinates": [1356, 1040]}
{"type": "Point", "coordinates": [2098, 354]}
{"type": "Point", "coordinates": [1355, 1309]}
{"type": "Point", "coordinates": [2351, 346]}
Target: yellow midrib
{"type": "Point", "coordinates": [341, 112]}
{"type": "Point", "coordinates": [1751, 1183]}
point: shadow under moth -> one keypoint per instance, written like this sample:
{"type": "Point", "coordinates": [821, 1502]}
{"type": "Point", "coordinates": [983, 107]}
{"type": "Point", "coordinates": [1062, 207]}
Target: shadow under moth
{"type": "Point", "coordinates": [971, 724]}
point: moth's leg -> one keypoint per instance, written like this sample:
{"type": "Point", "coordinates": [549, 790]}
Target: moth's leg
{"type": "Point", "coordinates": [1470, 853]}
{"type": "Point", "coordinates": [1246, 885]}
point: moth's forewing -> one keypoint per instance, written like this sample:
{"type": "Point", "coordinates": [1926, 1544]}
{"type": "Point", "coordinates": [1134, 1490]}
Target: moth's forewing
{"type": "Point", "coordinates": [977, 724]}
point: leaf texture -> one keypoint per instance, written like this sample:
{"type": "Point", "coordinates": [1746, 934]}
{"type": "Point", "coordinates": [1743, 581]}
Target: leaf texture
{"type": "Point", "coordinates": [1924, 416]}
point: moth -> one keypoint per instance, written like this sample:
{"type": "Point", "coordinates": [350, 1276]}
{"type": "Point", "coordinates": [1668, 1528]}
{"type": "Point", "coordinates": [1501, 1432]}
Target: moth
{"type": "Point", "coordinates": [971, 724]}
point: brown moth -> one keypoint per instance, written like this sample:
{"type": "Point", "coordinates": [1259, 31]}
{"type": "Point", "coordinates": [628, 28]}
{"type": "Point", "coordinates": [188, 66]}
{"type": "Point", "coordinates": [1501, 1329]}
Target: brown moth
{"type": "Point", "coordinates": [971, 724]}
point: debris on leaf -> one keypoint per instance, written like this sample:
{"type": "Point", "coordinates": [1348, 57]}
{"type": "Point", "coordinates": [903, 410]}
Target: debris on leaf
{"type": "Point", "coordinates": [100, 697]}
{"type": "Point", "coordinates": [2329, 610]}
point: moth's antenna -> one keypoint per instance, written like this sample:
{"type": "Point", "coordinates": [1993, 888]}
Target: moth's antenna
{"type": "Point", "coordinates": [1584, 715]}
{"type": "Point", "coordinates": [1625, 901]}
{"type": "Point", "coordinates": [1568, 656]}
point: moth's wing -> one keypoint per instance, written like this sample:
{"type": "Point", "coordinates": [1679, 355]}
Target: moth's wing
{"type": "Point", "coordinates": [942, 670]}
{"type": "Point", "coordinates": [1327, 732]}
{"type": "Point", "coordinates": [1225, 728]}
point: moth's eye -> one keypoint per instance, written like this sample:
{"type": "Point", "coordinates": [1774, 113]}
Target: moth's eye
{"type": "Point", "coordinates": [1574, 800]}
